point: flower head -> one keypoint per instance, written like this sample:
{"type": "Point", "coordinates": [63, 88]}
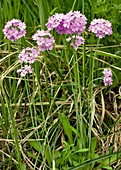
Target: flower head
{"type": "Point", "coordinates": [14, 29]}
{"type": "Point", "coordinates": [28, 55]}
{"type": "Point", "coordinates": [44, 40]}
{"type": "Point", "coordinates": [25, 70]}
{"type": "Point", "coordinates": [70, 23]}
{"type": "Point", "coordinates": [107, 77]}
{"type": "Point", "coordinates": [100, 27]}
{"type": "Point", "coordinates": [76, 41]}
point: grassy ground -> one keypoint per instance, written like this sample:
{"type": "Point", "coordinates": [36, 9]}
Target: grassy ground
{"type": "Point", "coordinates": [60, 117]}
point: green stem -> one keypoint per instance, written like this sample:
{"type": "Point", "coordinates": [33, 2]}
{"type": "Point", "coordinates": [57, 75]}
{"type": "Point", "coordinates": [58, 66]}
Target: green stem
{"type": "Point", "coordinates": [83, 54]}
{"type": "Point", "coordinates": [73, 5]}
{"type": "Point", "coordinates": [78, 102]}
{"type": "Point", "coordinates": [9, 53]}
{"type": "Point", "coordinates": [46, 75]}
{"type": "Point", "coordinates": [91, 92]}
{"type": "Point", "coordinates": [30, 107]}
{"type": "Point", "coordinates": [83, 7]}
{"type": "Point", "coordinates": [83, 66]}
{"type": "Point", "coordinates": [40, 94]}
{"type": "Point", "coordinates": [16, 138]}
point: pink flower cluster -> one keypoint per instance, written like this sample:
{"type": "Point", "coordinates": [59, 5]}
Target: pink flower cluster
{"type": "Point", "coordinates": [25, 70]}
{"type": "Point", "coordinates": [100, 27]}
{"type": "Point", "coordinates": [14, 29]}
{"type": "Point", "coordinates": [70, 23]}
{"type": "Point", "coordinates": [76, 41]}
{"type": "Point", "coordinates": [107, 77]}
{"type": "Point", "coordinates": [27, 55]}
{"type": "Point", "coordinates": [73, 24]}
{"type": "Point", "coordinates": [44, 40]}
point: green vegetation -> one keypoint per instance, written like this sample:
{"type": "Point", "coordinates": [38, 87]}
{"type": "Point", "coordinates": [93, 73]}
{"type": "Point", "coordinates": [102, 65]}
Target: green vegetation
{"type": "Point", "coordinates": [61, 117]}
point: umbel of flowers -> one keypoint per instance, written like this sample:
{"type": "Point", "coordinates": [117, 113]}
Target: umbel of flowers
{"type": "Point", "coordinates": [73, 23]}
{"type": "Point", "coordinates": [70, 23]}
{"type": "Point", "coordinates": [44, 40]}
{"type": "Point", "coordinates": [25, 70]}
{"type": "Point", "coordinates": [14, 29]}
{"type": "Point", "coordinates": [76, 40]}
{"type": "Point", "coordinates": [27, 56]}
{"type": "Point", "coordinates": [107, 77]}
{"type": "Point", "coordinates": [100, 27]}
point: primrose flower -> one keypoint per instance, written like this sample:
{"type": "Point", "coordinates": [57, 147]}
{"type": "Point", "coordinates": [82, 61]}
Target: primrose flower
{"type": "Point", "coordinates": [54, 21]}
{"type": "Point", "coordinates": [25, 70]}
{"type": "Point", "coordinates": [70, 23]}
{"type": "Point", "coordinates": [76, 41]}
{"type": "Point", "coordinates": [44, 40]}
{"type": "Point", "coordinates": [107, 77]}
{"type": "Point", "coordinates": [100, 27]}
{"type": "Point", "coordinates": [28, 55]}
{"type": "Point", "coordinates": [14, 29]}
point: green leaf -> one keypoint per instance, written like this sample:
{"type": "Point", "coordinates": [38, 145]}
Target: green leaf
{"type": "Point", "coordinates": [101, 158]}
{"type": "Point", "coordinates": [73, 129]}
{"type": "Point", "coordinates": [48, 155]}
{"type": "Point", "coordinates": [82, 150]}
{"type": "Point", "coordinates": [112, 159]}
{"type": "Point", "coordinates": [119, 97]}
{"type": "Point", "coordinates": [30, 154]}
{"type": "Point", "coordinates": [24, 167]}
{"type": "Point", "coordinates": [93, 146]}
{"type": "Point", "coordinates": [66, 126]}
{"type": "Point", "coordinates": [44, 11]}
{"type": "Point", "coordinates": [103, 53]}
{"type": "Point", "coordinates": [107, 167]}
{"type": "Point", "coordinates": [36, 145]}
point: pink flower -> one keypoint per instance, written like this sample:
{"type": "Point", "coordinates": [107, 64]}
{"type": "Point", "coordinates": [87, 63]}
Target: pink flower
{"type": "Point", "coordinates": [76, 41]}
{"type": "Point", "coordinates": [108, 81]}
{"type": "Point", "coordinates": [70, 23]}
{"type": "Point", "coordinates": [100, 27]}
{"type": "Point", "coordinates": [54, 21]}
{"type": "Point", "coordinates": [44, 40]}
{"type": "Point", "coordinates": [28, 55]}
{"type": "Point", "coordinates": [25, 70]}
{"type": "Point", "coordinates": [14, 29]}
